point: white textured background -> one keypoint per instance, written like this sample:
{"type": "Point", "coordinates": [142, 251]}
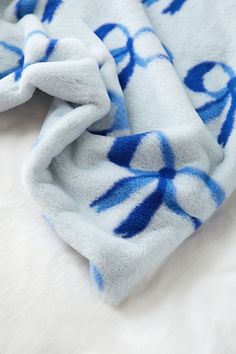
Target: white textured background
{"type": "Point", "coordinates": [49, 306]}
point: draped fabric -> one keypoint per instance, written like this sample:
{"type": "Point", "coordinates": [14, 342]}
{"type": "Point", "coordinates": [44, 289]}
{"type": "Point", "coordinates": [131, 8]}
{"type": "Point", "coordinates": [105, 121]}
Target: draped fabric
{"type": "Point", "coordinates": [138, 147]}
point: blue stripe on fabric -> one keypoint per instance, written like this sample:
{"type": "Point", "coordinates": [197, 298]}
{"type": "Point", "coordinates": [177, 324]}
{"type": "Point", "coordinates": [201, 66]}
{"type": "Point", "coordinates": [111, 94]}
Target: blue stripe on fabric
{"type": "Point", "coordinates": [174, 6]}
{"type": "Point", "coordinates": [195, 77]}
{"type": "Point", "coordinates": [119, 54]}
{"type": "Point", "coordinates": [50, 9]}
{"type": "Point", "coordinates": [149, 2]}
{"type": "Point", "coordinates": [49, 51]}
{"type": "Point", "coordinates": [102, 31]}
{"type": "Point", "coordinates": [169, 53]}
{"type": "Point", "coordinates": [16, 51]}
{"type": "Point", "coordinates": [12, 48]}
{"type": "Point", "coordinates": [120, 192]}
{"type": "Point", "coordinates": [167, 152]}
{"type": "Point", "coordinates": [25, 7]}
{"type": "Point", "coordinates": [212, 109]}
{"type": "Point", "coordinates": [97, 276]}
{"type": "Point", "coordinates": [128, 70]}
{"type": "Point", "coordinates": [8, 72]}
{"type": "Point", "coordinates": [141, 215]}
{"type": "Point", "coordinates": [123, 149]}
{"type": "Point", "coordinates": [228, 124]}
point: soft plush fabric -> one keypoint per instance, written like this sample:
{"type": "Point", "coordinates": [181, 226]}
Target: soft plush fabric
{"type": "Point", "coordinates": [138, 148]}
{"type": "Point", "coordinates": [48, 304]}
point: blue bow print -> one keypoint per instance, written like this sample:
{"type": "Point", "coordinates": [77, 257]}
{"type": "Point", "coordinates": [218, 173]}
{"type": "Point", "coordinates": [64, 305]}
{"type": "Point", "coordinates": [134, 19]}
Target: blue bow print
{"type": "Point", "coordinates": [128, 50]}
{"type": "Point", "coordinates": [21, 64]}
{"type": "Point", "coordinates": [121, 154]}
{"type": "Point", "coordinates": [219, 98]}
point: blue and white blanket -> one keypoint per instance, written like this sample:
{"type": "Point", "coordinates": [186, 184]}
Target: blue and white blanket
{"type": "Point", "coordinates": [138, 148]}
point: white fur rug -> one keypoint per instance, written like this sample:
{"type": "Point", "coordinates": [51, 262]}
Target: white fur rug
{"type": "Point", "coordinates": [49, 306]}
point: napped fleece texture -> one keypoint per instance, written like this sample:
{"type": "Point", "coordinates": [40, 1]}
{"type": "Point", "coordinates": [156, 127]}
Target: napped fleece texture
{"type": "Point", "coordinates": [138, 147]}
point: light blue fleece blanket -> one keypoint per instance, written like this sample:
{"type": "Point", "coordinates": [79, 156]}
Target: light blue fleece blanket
{"type": "Point", "coordinates": [138, 148]}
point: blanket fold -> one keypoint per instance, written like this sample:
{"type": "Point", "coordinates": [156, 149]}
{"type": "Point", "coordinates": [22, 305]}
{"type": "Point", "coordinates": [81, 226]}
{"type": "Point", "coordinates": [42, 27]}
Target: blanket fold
{"type": "Point", "coordinates": [137, 149]}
